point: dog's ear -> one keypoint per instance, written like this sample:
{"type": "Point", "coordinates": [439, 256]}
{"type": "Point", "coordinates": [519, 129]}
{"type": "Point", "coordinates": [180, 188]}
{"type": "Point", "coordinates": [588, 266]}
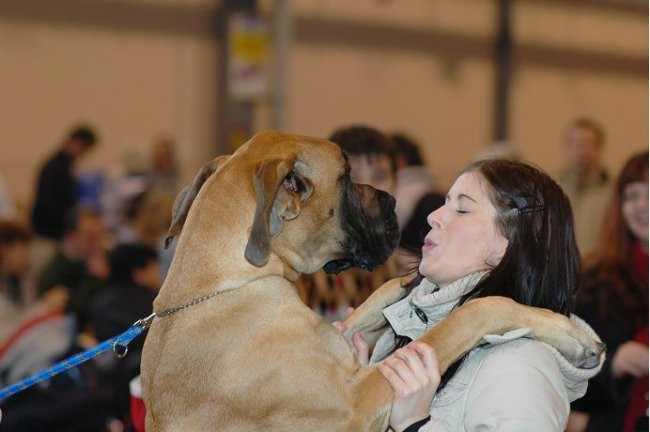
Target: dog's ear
{"type": "Point", "coordinates": [186, 197]}
{"type": "Point", "coordinates": [281, 186]}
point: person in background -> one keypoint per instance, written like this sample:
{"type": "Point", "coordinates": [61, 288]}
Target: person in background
{"type": "Point", "coordinates": [585, 181]}
{"type": "Point", "coordinates": [33, 336]}
{"type": "Point", "coordinates": [79, 266]}
{"type": "Point", "coordinates": [133, 286]}
{"type": "Point", "coordinates": [370, 154]}
{"type": "Point", "coordinates": [18, 304]}
{"type": "Point", "coordinates": [17, 299]}
{"type": "Point", "coordinates": [413, 178]}
{"type": "Point", "coordinates": [56, 196]}
{"type": "Point", "coordinates": [614, 301]}
{"type": "Point", "coordinates": [150, 216]}
{"type": "Point", "coordinates": [56, 193]}
{"type": "Point", "coordinates": [165, 174]}
{"type": "Point", "coordinates": [416, 197]}
{"type": "Point", "coordinates": [14, 262]}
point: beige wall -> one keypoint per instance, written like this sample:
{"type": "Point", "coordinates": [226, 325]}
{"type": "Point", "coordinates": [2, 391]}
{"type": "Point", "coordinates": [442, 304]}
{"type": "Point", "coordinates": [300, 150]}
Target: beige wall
{"type": "Point", "coordinates": [545, 99]}
{"type": "Point", "coordinates": [134, 85]}
{"type": "Point", "coordinates": [447, 102]}
{"type": "Point", "coordinates": [445, 110]}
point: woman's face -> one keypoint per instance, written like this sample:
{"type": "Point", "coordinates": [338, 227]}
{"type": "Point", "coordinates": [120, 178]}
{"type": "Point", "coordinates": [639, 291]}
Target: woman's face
{"type": "Point", "coordinates": [635, 210]}
{"type": "Point", "coordinates": [464, 237]}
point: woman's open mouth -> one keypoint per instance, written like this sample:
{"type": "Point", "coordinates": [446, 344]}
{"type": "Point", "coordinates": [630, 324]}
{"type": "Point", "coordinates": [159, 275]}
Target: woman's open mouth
{"type": "Point", "coordinates": [428, 245]}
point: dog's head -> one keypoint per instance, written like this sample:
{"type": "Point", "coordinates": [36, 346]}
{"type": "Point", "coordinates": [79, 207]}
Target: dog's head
{"type": "Point", "coordinates": [308, 211]}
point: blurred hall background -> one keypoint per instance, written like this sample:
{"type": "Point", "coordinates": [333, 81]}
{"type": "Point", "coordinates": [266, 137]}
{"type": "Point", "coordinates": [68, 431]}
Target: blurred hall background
{"type": "Point", "coordinates": [456, 75]}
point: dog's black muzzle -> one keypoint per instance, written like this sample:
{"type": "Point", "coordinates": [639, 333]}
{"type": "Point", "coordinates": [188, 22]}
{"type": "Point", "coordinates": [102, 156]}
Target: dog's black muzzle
{"type": "Point", "coordinates": [371, 228]}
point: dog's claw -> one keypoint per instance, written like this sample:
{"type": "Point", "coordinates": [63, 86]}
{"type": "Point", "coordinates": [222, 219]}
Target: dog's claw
{"type": "Point", "coordinates": [592, 356]}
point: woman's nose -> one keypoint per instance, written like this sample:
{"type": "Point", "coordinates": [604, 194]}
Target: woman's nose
{"type": "Point", "coordinates": [434, 219]}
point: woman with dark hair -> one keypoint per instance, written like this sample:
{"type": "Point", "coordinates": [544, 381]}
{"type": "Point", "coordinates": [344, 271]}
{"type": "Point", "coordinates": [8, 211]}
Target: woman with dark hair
{"type": "Point", "coordinates": [614, 300]}
{"type": "Point", "coordinates": [505, 229]}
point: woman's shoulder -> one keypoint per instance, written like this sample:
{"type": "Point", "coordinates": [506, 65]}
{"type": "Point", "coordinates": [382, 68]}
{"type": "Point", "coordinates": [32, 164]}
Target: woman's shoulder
{"type": "Point", "coordinates": [514, 385]}
{"type": "Point", "coordinates": [508, 360]}
{"type": "Point", "coordinates": [518, 366]}
{"type": "Point", "coordinates": [520, 351]}
{"type": "Point", "coordinates": [524, 362]}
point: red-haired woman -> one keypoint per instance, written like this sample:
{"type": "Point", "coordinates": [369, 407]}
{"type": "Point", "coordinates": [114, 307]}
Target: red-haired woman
{"type": "Point", "coordinates": [614, 301]}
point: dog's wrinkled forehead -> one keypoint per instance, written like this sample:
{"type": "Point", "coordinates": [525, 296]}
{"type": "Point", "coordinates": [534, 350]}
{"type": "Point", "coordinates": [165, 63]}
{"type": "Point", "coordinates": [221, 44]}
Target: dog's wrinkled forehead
{"type": "Point", "coordinates": [315, 157]}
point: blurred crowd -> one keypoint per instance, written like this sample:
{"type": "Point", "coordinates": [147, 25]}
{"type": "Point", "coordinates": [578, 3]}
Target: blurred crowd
{"type": "Point", "coordinates": [81, 267]}
{"type": "Point", "coordinates": [87, 261]}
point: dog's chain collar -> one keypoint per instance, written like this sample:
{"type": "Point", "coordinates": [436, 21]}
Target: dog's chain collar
{"type": "Point", "coordinates": [146, 322]}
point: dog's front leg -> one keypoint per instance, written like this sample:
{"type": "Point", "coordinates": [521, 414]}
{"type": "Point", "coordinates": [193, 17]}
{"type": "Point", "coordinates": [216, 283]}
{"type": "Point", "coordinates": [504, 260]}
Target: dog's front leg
{"type": "Point", "coordinates": [369, 318]}
{"type": "Point", "coordinates": [464, 328]}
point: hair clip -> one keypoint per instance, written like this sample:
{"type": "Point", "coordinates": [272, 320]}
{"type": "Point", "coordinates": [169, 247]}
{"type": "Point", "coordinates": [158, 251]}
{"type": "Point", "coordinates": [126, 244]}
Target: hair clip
{"type": "Point", "coordinates": [520, 202]}
{"type": "Point", "coordinates": [523, 207]}
{"type": "Point", "coordinates": [531, 209]}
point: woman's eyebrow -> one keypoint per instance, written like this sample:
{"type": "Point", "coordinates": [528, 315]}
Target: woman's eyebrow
{"type": "Point", "coordinates": [461, 195]}
{"type": "Point", "coordinates": [467, 196]}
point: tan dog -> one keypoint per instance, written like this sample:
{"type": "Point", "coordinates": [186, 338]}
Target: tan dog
{"type": "Point", "coordinates": [248, 355]}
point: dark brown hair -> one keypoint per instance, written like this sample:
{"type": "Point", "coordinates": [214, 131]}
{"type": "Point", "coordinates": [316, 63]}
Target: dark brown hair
{"type": "Point", "coordinates": [364, 140]}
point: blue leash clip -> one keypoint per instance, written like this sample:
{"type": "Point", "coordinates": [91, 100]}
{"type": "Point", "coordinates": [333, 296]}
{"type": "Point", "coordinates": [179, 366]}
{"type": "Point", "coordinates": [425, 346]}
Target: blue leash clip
{"type": "Point", "coordinates": [119, 344]}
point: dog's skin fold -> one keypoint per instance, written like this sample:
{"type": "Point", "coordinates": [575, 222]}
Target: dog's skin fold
{"type": "Point", "coordinates": [254, 357]}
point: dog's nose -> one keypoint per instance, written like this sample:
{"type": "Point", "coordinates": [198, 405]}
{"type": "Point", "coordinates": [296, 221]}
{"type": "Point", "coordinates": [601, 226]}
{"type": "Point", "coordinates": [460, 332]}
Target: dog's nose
{"type": "Point", "coordinates": [391, 201]}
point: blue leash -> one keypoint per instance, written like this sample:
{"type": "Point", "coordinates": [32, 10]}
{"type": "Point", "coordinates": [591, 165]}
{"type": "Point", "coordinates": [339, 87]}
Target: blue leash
{"type": "Point", "coordinates": [119, 344]}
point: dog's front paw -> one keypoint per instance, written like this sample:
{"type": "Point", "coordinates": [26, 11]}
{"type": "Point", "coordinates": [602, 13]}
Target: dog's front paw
{"type": "Point", "coordinates": [572, 339]}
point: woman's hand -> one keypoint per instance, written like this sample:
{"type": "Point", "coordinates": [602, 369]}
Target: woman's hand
{"type": "Point", "coordinates": [414, 374]}
{"type": "Point", "coordinates": [360, 345]}
{"type": "Point", "coordinates": [631, 358]}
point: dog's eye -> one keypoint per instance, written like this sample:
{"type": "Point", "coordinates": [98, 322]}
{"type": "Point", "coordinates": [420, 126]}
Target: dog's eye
{"type": "Point", "coordinates": [293, 184]}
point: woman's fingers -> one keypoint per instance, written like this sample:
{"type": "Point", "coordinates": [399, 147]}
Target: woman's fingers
{"type": "Point", "coordinates": [413, 374]}
{"type": "Point", "coordinates": [401, 368]}
{"type": "Point", "coordinates": [395, 381]}
{"type": "Point", "coordinates": [429, 359]}
{"type": "Point", "coordinates": [415, 364]}
{"type": "Point", "coordinates": [362, 347]}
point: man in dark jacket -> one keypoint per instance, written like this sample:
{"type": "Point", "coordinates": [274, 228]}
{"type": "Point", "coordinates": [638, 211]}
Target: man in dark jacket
{"type": "Point", "coordinates": [56, 192]}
